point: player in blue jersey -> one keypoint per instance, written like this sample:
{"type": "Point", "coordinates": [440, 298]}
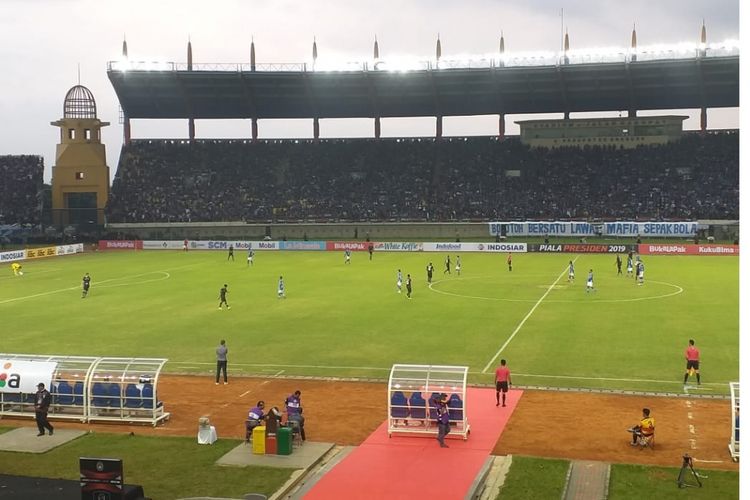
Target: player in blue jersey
{"type": "Point", "coordinates": [571, 272]}
{"type": "Point", "coordinates": [399, 280]}
{"type": "Point", "coordinates": [630, 264]}
{"type": "Point", "coordinates": [281, 290]}
{"type": "Point", "coordinates": [590, 282]}
{"type": "Point", "coordinates": [639, 269]}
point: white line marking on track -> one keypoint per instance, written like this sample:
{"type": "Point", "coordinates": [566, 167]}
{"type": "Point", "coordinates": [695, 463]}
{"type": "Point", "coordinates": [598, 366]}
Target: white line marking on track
{"type": "Point", "coordinates": [523, 321]}
{"type": "Point", "coordinates": [244, 394]}
{"type": "Point", "coordinates": [690, 415]}
{"type": "Point", "coordinates": [708, 461]}
{"type": "Point", "coordinates": [691, 428]}
{"type": "Point", "coordinates": [279, 373]}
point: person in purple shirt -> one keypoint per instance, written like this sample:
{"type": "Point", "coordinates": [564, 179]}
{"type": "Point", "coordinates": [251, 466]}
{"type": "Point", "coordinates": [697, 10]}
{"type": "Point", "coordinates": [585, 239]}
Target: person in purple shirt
{"type": "Point", "coordinates": [443, 419]}
{"type": "Point", "coordinates": [255, 418]}
{"type": "Point", "coordinates": [293, 405]}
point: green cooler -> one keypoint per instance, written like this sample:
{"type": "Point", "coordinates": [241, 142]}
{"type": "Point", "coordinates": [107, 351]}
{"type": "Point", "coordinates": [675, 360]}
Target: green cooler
{"type": "Point", "coordinates": [284, 441]}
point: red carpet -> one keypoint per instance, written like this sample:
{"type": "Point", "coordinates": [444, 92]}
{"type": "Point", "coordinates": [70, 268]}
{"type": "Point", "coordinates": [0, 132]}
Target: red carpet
{"type": "Point", "coordinates": [416, 467]}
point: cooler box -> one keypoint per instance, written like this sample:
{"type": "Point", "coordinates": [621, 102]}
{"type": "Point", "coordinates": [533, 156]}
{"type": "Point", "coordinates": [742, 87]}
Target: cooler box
{"type": "Point", "coordinates": [284, 441]}
{"type": "Point", "coordinates": [259, 440]}
{"type": "Point", "coordinates": [270, 445]}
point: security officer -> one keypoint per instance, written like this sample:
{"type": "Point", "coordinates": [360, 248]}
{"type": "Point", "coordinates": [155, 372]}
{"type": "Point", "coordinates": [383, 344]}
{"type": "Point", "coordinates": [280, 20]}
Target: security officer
{"type": "Point", "coordinates": [41, 407]}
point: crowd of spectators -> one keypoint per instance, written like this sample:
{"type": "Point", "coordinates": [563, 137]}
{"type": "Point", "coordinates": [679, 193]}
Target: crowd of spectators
{"type": "Point", "coordinates": [21, 180]}
{"type": "Point", "coordinates": [477, 178]}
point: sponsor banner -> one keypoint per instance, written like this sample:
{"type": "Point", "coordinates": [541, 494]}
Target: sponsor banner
{"type": "Point", "coordinates": [502, 247]}
{"type": "Point", "coordinates": [397, 246]}
{"type": "Point", "coordinates": [580, 248]}
{"type": "Point", "coordinates": [120, 245]}
{"type": "Point", "coordinates": [553, 228]}
{"type": "Point", "coordinates": [224, 245]}
{"type": "Point", "coordinates": [69, 249]}
{"type": "Point", "coordinates": [12, 256]}
{"type": "Point", "coordinates": [23, 376]}
{"type": "Point", "coordinates": [650, 229]}
{"type": "Point", "coordinates": [355, 246]}
{"type": "Point", "coordinates": [163, 244]}
{"type": "Point", "coordinates": [690, 249]}
{"type": "Point", "coordinates": [474, 247]}
{"type": "Point", "coordinates": [302, 245]}
{"type": "Point", "coordinates": [35, 253]}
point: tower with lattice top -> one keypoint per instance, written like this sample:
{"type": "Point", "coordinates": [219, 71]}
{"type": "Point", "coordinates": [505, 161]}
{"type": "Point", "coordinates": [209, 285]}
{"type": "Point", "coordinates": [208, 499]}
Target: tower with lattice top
{"type": "Point", "coordinates": [80, 176]}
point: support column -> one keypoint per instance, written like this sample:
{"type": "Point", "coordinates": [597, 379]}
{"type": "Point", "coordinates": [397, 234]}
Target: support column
{"type": "Point", "coordinates": [566, 115]}
{"type": "Point", "coordinates": [704, 120]}
{"type": "Point", "coordinates": [501, 127]}
{"type": "Point", "coordinates": [255, 128]}
{"type": "Point", "coordinates": [438, 127]}
{"type": "Point", "coordinates": [377, 127]}
{"type": "Point", "coordinates": [191, 129]}
{"type": "Point", "coordinates": [316, 128]}
{"type": "Point", "coordinates": [632, 113]}
{"type": "Point", "coordinates": [126, 131]}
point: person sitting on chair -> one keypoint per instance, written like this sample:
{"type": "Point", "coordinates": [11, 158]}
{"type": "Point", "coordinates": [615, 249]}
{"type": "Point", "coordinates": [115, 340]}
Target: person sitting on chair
{"type": "Point", "coordinates": [643, 433]}
{"type": "Point", "coordinates": [254, 418]}
{"type": "Point", "coordinates": [293, 405]}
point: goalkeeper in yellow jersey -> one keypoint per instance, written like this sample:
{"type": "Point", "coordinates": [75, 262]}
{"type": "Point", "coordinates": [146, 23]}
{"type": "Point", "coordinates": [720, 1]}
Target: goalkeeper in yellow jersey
{"type": "Point", "coordinates": [17, 269]}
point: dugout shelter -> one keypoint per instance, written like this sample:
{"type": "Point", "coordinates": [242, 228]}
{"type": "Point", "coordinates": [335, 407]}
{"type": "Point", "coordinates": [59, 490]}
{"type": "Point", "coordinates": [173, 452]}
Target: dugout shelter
{"type": "Point", "coordinates": [411, 391]}
{"type": "Point", "coordinates": [91, 389]}
{"type": "Point", "coordinates": [734, 439]}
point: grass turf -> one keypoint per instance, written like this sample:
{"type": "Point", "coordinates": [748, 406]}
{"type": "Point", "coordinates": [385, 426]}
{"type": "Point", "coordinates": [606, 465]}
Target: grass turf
{"type": "Point", "coordinates": [166, 467]}
{"type": "Point", "coordinates": [348, 320]}
{"type": "Point", "coordinates": [635, 482]}
{"type": "Point", "coordinates": [536, 478]}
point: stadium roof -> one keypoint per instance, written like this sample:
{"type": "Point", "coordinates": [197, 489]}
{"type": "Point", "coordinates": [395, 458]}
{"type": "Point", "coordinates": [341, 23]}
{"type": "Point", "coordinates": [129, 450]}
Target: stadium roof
{"type": "Point", "coordinates": [168, 91]}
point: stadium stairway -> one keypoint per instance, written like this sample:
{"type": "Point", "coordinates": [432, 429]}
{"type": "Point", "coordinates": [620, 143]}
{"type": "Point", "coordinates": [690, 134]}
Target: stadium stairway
{"type": "Point", "coordinates": [587, 481]}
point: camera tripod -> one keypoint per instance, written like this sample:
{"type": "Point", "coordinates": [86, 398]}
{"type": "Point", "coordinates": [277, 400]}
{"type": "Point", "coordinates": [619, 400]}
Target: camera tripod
{"type": "Point", "coordinates": [687, 463]}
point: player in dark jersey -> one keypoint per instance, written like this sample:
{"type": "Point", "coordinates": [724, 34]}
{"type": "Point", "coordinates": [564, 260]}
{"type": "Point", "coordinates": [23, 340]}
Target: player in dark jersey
{"type": "Point", "coordinates": [370, 249]}
{"type": "Point", "coordinates": [223, 296]}
{"type": "Point", "coordinates": [618, 262]}
{"type": "Point", "coordinates": [510, 262]}
{"type": "Point", "coordinates": [430, 269]}
{"type": "Point", "coordinates": [447, 264]}
{"type": "Point", "coordinates": [408, 286]}
{"type": "Point", "coordinates": [85, 284]}
{"type": "Point", "coordinates": [231, 253]}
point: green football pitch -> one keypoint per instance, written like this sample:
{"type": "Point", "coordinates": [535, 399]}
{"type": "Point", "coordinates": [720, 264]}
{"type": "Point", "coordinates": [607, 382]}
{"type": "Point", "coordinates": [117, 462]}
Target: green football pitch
{"type": "Point", "coordinates": [342, 320]}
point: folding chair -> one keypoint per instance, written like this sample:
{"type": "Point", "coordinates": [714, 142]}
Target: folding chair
{"type": "Point", "coordinates": [296, 432]}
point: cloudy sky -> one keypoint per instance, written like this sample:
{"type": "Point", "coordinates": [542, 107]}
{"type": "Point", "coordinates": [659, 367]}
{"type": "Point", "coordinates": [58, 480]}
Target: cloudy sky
{"type": "Point", "coordinates": [42, 42]}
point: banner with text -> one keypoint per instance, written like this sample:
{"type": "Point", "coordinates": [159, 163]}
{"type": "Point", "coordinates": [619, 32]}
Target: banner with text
{"type": "Point", "coordinates": [302, 245]}
{"type": "Point", "coordinates": [354, 246]}
{"type": "Point", "coordinates": [35, 253]}
{"type": "Point", "coordinates": [580, 248]}
{"type": "Point", "coordinates": [23, 376]}
{"type": "Point", "coordinates": [120, 245]}
{"type": "Point", "coordinates": [688, 249]}
{"type": "Point", "coordinates": [532, 228]}
{"type": "Point", "coordinates": [12, 256]}
{"type": "Point", "coordinates": [236, 245]}
{"type": "Point", "coordinates": [682, 229]}
{"type": "Point", "coordinates": [397, 246]}
{"type": "Point", "coordinates": [69, 249]}
{"type": "Point", "coordinates": [685, 229]}
{"type": "Point", "coordinates": [474, 247]}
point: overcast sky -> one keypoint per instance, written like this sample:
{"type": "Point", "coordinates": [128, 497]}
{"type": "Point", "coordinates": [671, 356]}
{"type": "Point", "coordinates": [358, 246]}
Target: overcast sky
{"type": "Point", "coordinates": [43, 41]}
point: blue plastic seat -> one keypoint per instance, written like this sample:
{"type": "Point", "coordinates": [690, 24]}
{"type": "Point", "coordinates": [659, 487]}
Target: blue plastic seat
{"type": "Point", "coordinates": [133, 396]}
{"type": "Point", "coordinates": [148, 396]}
{"type": "Point", "coordinates": [114, 396]}
{"type": "Point", "coordinates": [64, 393]}
{"type": "Point", "coordinates": [455, 408]}
{"type": "Point", "coordinates": [101, 395]}
{"type": "Point", "coordinates": [417, 406]}
{"type": "Point", "coordinates": [399, 405]}
{"type": "Point", "coordinates": [78, 391]}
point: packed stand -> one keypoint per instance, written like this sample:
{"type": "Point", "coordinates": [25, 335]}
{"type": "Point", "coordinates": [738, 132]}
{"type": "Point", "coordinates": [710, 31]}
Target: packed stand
{"type": "Point", "coordinates": [477, 178]}
{"type": "Point", "coordinates": [21, 180]}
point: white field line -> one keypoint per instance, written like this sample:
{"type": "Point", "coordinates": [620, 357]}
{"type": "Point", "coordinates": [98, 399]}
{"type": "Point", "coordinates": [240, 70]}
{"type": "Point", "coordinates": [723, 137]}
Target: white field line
{"type": "Point", "coordinates": [523, 321]}
{"type": "Point", "coordinates": [265, 367]}
{"type": "Point", "coordinates": [93, 285]}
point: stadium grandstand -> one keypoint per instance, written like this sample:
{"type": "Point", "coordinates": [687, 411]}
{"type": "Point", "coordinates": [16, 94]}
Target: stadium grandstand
{"type": "Point", "coordinates": [423, 179]}
{"type": "Point", "coordinates": [20, 193]}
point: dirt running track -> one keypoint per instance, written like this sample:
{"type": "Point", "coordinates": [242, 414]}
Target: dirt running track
{"type": "Point", "coordinates": [545, 424]}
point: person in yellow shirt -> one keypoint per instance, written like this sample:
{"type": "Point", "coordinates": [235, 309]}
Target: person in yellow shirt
{"type": "Point", "coordinates": [644, 429]}
{"type": "Point", "coordinates": [16, 269]}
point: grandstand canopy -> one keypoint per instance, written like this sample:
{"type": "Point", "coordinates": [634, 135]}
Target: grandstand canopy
{"type": "Point", "coordinates": [171, 92]}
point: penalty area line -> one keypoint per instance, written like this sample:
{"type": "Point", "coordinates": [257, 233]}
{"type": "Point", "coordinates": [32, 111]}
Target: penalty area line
{"type": "Point", "coordinates": [528, 315]}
